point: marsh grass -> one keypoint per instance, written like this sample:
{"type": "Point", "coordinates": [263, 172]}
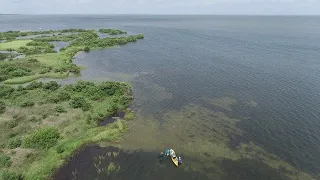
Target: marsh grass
{"type": "Point", "coordinates": [130, 115]}
{"type": "Point", "coordinates": [112, 167]}
{"type": "Point", "coordinates": [43, 122]}
{"type": "Point", "coordinates": [15, 45]}
{"type": "Point", "coordinates": [47, 139]}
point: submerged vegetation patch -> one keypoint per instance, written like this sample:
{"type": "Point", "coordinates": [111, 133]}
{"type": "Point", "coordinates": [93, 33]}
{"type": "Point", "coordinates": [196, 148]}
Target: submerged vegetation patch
{"type": "Point", "coordinates": [41, 60]}
{"type": "Point", "coordinates": [94, 162]}
{"type": "Point", "coordinates": [211, 136]}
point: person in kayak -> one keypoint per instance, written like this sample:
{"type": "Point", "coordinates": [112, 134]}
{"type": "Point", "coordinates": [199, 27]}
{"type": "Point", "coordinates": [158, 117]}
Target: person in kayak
{"type": "Point", "coordinates": [179, 160]}
{"type": "Point", "coordinates": [167, 152]}
{"type": "Point", "coordinates": [161, 156]}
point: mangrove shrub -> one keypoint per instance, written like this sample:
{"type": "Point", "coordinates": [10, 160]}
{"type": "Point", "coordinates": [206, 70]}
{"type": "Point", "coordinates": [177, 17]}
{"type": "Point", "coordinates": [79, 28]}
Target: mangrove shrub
{"type": "Point", "coordinates": [60, 109]}
{"type": "Point", "coordinates": [11, 70]}
{"type": "Point", "coordinates": [112, 31]}
{"type": "Point", "coordinates": [34, 85]}
{"type": "Point", "coordinates": [2, 107]}
{"type": "Point", "coordinates": [58, 97]}
{"type": "Point", "coordinates": [52, 85]}
{"type": "Point", "coordinates": [5, 161]}
{"type": "Point", "coordinates": [14, 142]}
{"type": "Point", "coordinates": [27, 103]}
{"type": "Point", "coordinates": [80, 102]}
{"type": "Point", "coordinates": [12, 123]}
{"type": "Point", "coordinates": [87, 49]}
{"type": "Point", "coordinates": [5, 91]}
{"type": "Point", "coordinates": [43, 138]}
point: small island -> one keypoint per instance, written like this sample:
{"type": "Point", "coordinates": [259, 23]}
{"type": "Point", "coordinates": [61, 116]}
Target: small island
{"type": "Point", "coordinates": [42, 124]}
{"type": "Point", "coordinates": [112, 31]}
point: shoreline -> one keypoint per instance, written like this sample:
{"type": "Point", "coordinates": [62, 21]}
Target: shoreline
{"type": "Point", "coordinates": [72, 112]}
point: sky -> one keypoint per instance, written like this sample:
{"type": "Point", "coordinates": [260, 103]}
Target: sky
{"type": "Point", "coordinates": [223, 7]}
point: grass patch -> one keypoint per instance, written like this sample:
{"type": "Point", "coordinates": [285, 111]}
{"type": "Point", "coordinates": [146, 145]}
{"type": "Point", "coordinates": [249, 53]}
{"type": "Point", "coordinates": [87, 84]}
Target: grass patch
{"type": "Point", "coordinates": [16, 44]}
{"type": "Point", "coordinates": [26, 79]}
{"type": "Point", "coordinates": [8, 175]}
{"type": "Point", "coordinates": [50, 59]}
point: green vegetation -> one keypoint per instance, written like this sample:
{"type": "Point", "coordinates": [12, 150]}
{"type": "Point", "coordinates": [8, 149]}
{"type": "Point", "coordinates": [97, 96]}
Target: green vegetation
{"type": "Point", "coordinates": [43, 61]}
{"type": "Point", "coordinates": [26, 79]}
{"type": "Point", "coordinates": [19, 68]}
{"type": "Point", "coordinates": [3, 56]}
{"type": "Point", "coordinates": [112, 167]}
{"type": "Point", "coordinates": [130, 115]}
{"type": "Point", "coordinates": [60, 37]}
{"type": "Point", "coordinates": [5, 161]}
{"type": "Point", "coordinates": [42, 124]}
{"type": "Point", "coordinates": [61, 120]}
{"type": "Point", "coordinates": [80, 102]}
{"type": "Point", "coordinates": [112, 31]}
{"type": "Point", "coordinates": [60, 109]}
{"type": "Point", "coordinates": [2, 107]}
{"type": "Point", "coordinates": [13, 45]}
{"type": "Point", "coordinates": [7, 56]}
{"type": "Point", "coordinates": [14, 142]}
{"type": "Point", "coordinates": [7, 175]}
{"type": "Point", "coordinates": [42, 138]}
{"type": "Point", "coordinates": [13, 123]}
{"type": "Point", "coordinates": [27, 103]}
{"type": "Point", "coordinates": [10, 35]}
{"type": "Point", "coordinates": [87, 49]}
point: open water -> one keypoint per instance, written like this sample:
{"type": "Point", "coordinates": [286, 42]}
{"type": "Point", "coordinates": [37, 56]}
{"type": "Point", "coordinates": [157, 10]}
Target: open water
{"type": "Point", "coordinates": [258, 75]}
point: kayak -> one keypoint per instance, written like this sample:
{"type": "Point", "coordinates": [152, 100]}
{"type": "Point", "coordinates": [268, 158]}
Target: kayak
{"type": "Point", "coordinates": [174, 157]}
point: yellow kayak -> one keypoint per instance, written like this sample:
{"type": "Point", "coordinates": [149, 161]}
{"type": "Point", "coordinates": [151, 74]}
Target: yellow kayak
{"type": "Point", "coordinates": [174, 157]}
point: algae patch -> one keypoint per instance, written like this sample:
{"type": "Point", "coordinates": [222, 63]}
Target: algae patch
{"type": "Point", "coordinates": [211, 137]}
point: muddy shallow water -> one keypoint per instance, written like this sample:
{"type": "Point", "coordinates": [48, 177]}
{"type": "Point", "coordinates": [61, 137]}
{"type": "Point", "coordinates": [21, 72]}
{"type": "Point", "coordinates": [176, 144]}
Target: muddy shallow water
{"type": "Point", "coordinates": [94, 162]}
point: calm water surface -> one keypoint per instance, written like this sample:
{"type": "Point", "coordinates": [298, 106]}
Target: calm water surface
{"type": "Point", "coordinates": [261, 74]}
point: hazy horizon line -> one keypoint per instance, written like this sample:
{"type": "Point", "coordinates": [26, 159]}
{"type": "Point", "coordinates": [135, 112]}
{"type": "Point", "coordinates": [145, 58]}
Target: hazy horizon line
{"type": "Point", "coordinates": [167, 14]}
